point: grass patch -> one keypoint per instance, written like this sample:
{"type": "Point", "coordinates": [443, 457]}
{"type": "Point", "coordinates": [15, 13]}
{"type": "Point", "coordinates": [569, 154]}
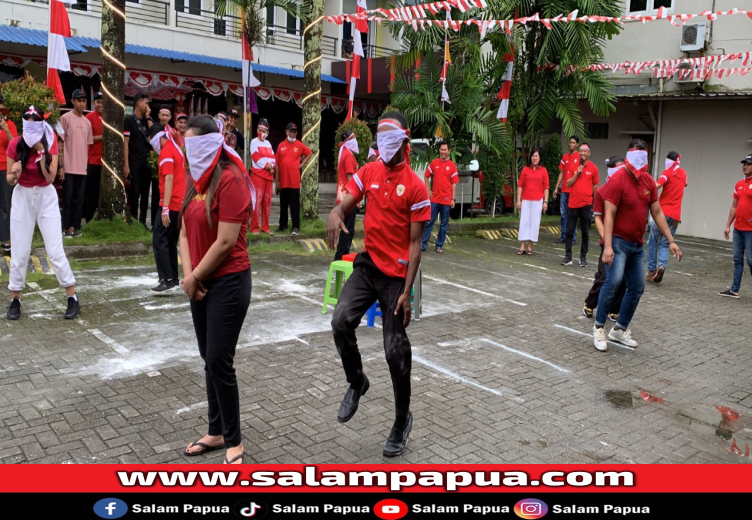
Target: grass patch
{"type": "Point", "coordinates": [310, 228]}
{"type": "Point", "coordinates": [104, 232]}
{"type": "Point", "coordinates": [507, 217]}
{"type": "Point", "coordinates": [290, 248]}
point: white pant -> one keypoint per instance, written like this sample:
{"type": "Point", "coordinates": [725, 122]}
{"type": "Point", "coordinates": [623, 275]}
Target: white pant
{"type": "Point", "coordinates": [530, 217]}
{"type": "Point", "coordinates": [30, 206]}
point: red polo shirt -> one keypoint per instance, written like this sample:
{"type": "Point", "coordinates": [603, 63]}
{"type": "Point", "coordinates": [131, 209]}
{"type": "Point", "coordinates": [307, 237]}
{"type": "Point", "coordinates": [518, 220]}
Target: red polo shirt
{"type": "Point", "coordinates": [444, 175]}
{"type": "Point", "coordinates": [632, 197]}
{"type": "Point", "coordinates": [581, 192]}
{"type": "Point", "coordinates": [4, 144]}
{"type": "Point", "coordinates": [673, 180]}
{"type": "Point", "coordinates": [743, 194]}
{"type": "Point", "coordinates": [348, 165]}
{"type": "Point", "coordinates": [171, 163]}
{"type": "Point", "coordinates": [231, 204]}
{"type": "Point", "coordinates": [288, 162]}
{"type": "Point", "coordinates": [396, 198]}
{"type": "Point", "coordinates": [568, 160]}
{"type": "Point", "coordinates": [533, 181]}
{"type": "Point", "coordinates": [95, 150]}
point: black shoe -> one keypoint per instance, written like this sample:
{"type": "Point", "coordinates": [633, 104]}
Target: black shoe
{"type": "Point", "coordinates": [280, 229]}
{"type": "Point", "coordinates": [166, 287]}
{"type": "Point", "coordinates": [659, 274]}
{"type": "Point", "coordinates": [729, 293]}
{"type": "Point", "coordinates": [567, 261]}
{"type": "Point", "coordinates": [587, 311]}
{"type": "Point", "coordinates": [14, 311]}
{"type": "Point", "coordinates": [396, 444]}
{"type": "Point", "coordinates": [583, 262]}
{"type": "Point", "coordinates": [294, 231]}
{"type": "Point", "coordinates": [76, 233]}
{"type": "Point", "coordinates": [6, 248]}
{"type": "Point", "coordinates": [73, 308]}
{"type": "Point", "coordinates": [560, 240]}
{"type": "Point", "coordinates": [67, 234]}
{"type": "Point", "coordinates": [350, 402]}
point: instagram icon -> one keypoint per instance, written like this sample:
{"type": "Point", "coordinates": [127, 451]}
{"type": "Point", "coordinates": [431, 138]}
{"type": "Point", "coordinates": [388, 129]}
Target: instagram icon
{"type": "Point", "coordinates": [530, 508]}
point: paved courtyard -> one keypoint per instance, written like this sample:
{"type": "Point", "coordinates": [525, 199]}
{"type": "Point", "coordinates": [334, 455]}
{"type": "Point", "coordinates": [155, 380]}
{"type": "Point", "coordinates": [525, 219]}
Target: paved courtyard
{"type": "Point", "coordinates": [504, 370]}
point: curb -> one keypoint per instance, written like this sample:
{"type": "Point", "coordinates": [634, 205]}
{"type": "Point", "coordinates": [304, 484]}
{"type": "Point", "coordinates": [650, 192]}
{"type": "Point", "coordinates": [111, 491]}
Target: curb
{"type": "Point", "coordinates": [37, 264]}
{"type": "Point", "coordinates": [512, 234]}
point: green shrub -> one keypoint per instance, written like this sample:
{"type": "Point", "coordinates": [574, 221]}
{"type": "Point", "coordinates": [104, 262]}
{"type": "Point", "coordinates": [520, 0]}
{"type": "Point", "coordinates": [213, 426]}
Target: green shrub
{"type": "Point", "coordinates": [21, 93]}
{"type": "Point", "coordinates": [362, 134]}
{"type": "Point", "coordinates": [551, 158]}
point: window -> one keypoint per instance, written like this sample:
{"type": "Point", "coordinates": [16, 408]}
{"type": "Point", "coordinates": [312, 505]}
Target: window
{"type": "Point", "coordinates": [80, 5]}
{"type": "Point", "coordinates": [597, 130]}
{"type": "Point", "coordinates": [292, 24]}
{"type": "Point", "coordinates": [645, 6]}
{"type": "Point", "coordinates": [188, 6]}
{"type": "Point", "coordinates": [271, 16]}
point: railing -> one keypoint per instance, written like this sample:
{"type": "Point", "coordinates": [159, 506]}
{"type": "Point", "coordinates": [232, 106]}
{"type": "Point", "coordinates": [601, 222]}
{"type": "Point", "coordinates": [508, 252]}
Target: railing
{"type": "Point", "coordinates": [373, 51]}
{"type": "Point", "coordinates": [207, 22]}
{"type": "Point", "coordinates": [292, 39]}
{"type": "Point", "coordinates": [145, 11]}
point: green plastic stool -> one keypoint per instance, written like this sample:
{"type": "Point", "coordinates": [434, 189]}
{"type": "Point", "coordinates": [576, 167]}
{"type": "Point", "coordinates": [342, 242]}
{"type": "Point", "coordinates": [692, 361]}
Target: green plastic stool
{"type": "Point", "coordinates": [341, 271]}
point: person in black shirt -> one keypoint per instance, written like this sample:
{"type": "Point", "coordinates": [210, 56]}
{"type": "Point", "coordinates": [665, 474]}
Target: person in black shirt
{"type": "Point", "coordinates": [136, 152]}
{"type": "Point", "coordinates": [232, 126]}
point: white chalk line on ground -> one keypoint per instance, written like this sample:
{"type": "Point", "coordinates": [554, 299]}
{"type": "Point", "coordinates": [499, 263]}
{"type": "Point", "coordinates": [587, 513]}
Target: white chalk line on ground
{"type": "Point", "coordinates": [104, 338]}
{"type": "Point", "coordinates": [680, 272]}
{"type": "Point", "coordinates": [495, 273]}
{"type": "Point", "coordinates": [290, 293]}
{"type": "Point", "coordinates": [707, 252]}
{"type": "Point", "coordinates": [557, 271]}
{"type": "Point", "coordinates": [683, 241]}
{"type": "Point", "coordinates": [460, 286]}
{"type": "Point", "coordinates": [462, 379]}
{"type": "Point", "coordinates": [591, 336]}
{"type": "Point", "coordinates": [526, 355]}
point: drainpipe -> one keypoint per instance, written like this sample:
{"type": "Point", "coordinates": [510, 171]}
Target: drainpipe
{"type": "Point", "coordinates": [658, 131]}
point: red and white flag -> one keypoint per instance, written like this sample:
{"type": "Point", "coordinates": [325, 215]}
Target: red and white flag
{"type": "Point", "coordinates": [445, 66]}
{"type": "Point", "coordinates": [361, 26]}
{"type": "Point", "coordinates": [249, 80]}
{"type": "Point", "coordinates": [506, 88]}
{"type": "Point", "coordinates": [57, 54]}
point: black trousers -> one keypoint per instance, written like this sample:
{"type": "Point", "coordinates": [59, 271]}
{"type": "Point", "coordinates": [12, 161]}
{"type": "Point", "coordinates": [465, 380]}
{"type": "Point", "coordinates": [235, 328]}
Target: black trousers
{"type": "Point", "coordinates": [345, 239]}
{"type": "Point", "coordinates": [91, 199]}
{"type": "Point", "coordinates": [582, 215]}
{"type": "Point", "coordinates": [6, 190]}
{"type": "Point", "coordinates": [595, 291]}
{"type": "Point", "coordinates": [218, 319]}
{"type": "Point", "coordinates": [74, 191]}
{"type": "Point", "coordinates": [140, 182]}
{"type": "Point", "coordinates": [164, 241]}
{"type": "Point", "coordinates": [366, 285]}
{"type": "Point", "coordinates": [155, 209]}
{"type": "Point", "coordinates": [289, 198]}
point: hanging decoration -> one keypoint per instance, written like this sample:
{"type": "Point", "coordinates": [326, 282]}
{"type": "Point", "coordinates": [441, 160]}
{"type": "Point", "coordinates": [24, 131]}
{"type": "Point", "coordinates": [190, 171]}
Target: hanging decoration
{"type": "Point", "coordinates": [57, 54]}
{"type": "Point", "coordinates": [506, 87]}
{"type": "Point", "coordinates": [361, 27]}
{"type": "Point", "coordinates": [409, 12]}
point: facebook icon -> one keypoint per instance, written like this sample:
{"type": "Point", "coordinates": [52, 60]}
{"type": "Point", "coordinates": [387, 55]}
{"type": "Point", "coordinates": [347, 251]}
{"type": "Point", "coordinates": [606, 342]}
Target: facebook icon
{"type": "Point", "coordinates": [110, 508]}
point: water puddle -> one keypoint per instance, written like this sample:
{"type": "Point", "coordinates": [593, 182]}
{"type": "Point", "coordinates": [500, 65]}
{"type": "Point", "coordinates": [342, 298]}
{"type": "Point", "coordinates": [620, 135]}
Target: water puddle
{"type": "Point", "coordinates": [631, 398]}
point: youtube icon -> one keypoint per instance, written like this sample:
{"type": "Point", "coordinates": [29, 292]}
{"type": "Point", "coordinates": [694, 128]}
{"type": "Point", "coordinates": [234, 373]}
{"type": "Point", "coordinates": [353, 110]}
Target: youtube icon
{"type": "Point", "coordinates": [390, 509]}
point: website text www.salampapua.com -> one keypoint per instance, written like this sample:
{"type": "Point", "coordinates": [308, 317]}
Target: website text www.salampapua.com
{"type": "Point", "coordinates": [311, 477]}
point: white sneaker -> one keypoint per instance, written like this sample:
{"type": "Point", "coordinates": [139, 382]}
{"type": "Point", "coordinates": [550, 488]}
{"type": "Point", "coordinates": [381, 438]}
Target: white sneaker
{"type": "Point", "coordinates": [599, 339]}
{"type": "Point", "coordinates": [622, 336]}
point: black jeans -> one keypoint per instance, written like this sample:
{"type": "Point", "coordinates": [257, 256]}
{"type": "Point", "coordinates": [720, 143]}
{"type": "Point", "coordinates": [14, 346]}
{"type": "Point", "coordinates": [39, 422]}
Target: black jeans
{"type": "Point", "coordinates": [218, 319]}
{"type": "Point", "coordinates": [582, 215]}
{"type": "Point", "coordinates": [6, 190]}
{"type": "Point", "coordinates": [91, 200]}
{"type": "Point", "coordinates": [155, 209]}
{"type": "Point", "coordinates": [140, 182]}
{"type": "Point", "coordinates": [289, 197]}
{"type": "Point", "coordinates": [164, 241]}
{"type": "Point", "coordinates": [600, 278]}
{"type": "Point", "coordinates": [345, 239]}
{"type": "Point", "coordinates": [366, 285]}
{"type": "Point", "coordinates": [74, 190]}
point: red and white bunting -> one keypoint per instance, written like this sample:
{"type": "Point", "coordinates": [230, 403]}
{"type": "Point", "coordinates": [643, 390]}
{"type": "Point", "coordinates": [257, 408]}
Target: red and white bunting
{"type": "Point", "coordinates": [408, 13]}
{"type": "Point", "coordinates": [57, 54]}
{"type": "Point", "coordinates": [506, 88]}
{"type": "Point", "coordinates": [637, 67]}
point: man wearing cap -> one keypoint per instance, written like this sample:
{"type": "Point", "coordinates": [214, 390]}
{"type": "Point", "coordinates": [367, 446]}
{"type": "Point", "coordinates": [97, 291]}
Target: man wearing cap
{"type": "Point", "coordinates": [627, 197]}
{"type": "Point", "coordinates": [287, 177]}
{"type": "Point", "coordinates": [232, 127]}
{"type": "Point", "coordinates": [94, 167]}
{"type": "Point", "coordinates": [262, 175]}
{"type": "Point", "coordinates": [398, 209]}
{"type": "Point", "coordinates": [181, 124]}
{"type": "Point", "coordinates": [582, 185]}
{"type": "Point", "coordinates": [78, 136]}
{"type": "Point", "coordinates": [741, 216]}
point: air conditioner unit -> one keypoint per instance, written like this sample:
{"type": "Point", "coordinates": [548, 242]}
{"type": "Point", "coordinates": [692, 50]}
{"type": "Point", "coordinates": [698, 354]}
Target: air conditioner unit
{"type": "Point", "coordinates": [679, 79]}
{"type": "Point", "coordinates": [692, 37]}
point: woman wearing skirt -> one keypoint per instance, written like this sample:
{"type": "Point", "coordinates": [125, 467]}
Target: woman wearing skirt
{"type": "Point", "coordinates": [532, 197]}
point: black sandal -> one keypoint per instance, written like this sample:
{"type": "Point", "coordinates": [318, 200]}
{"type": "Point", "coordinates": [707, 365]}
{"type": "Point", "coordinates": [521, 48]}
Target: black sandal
{"type": "Point", "coordinates": [521, 252]}
{"type": "Point", "coordinates": [206, 449]}
{"type": "Point", "coordinates": [234, 459]}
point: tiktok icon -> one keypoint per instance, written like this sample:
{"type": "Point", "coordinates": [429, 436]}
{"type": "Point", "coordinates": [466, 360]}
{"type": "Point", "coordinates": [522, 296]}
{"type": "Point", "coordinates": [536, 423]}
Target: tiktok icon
{"type": "Point", "coordinates": [255, 509]}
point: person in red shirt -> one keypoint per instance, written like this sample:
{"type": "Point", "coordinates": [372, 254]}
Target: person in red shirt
{"type": "Point", "coordinates": [181, 122]}
{"type": "Point", "coordinates": [262, 175]}
{"type": "Point", "coordinates": [613, 164]}
{"type": "Point", "coordinates": [740, 215]}
{"type": "Point", "coordinates": [445, 177]}
{"type": "Point", "coordinates": [627, 196]}
{"type": "Point", "coordinates": [582, 185]}
{"type": "Point", "coordinates": [94, 166]}
{"type": "Point", "coordinates": [673, 181]}
{"type": "Point", "coordinates": [287, 177]}
{"type": "Point", "coordinates": [532, 200]}
{"type": "Point", "coordinates": [347, 165]}
{"type": "Point", "coordinates": [7, 133]}
{"type": "Point", "coordinates": [569, 162]}
{"type": "Point", "coordinates": [217, 274]}
{"type": "Point", "coordinates": [398, 209]}
{"type": "Point", "coordinates": [171, 191]}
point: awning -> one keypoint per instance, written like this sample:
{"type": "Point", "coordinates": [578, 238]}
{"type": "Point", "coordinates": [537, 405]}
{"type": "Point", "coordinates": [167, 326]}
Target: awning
{"type": "Point", "coordinates": [11, 34]}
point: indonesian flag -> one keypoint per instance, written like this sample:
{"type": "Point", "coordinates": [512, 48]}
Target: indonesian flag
{"type": "Point", "coordinates": [506, 88]}
{"type": "Point", "coordinates": [249, 80]}
{"type": "Point", "coordinates": [445, 67]}
{"type": "Point", "coordinates": [57, 55]}
{"type": "Point", "coordinates": [361, 26]}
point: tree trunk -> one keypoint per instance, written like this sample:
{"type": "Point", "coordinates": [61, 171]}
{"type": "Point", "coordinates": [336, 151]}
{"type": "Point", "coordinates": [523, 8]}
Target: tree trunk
{"type": "Point", "coordinates": [112, 194]}
{"type": "Point", "coordinates": [309, 196]}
